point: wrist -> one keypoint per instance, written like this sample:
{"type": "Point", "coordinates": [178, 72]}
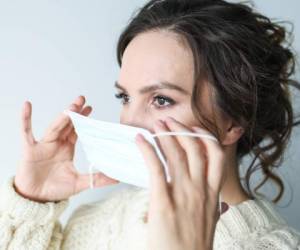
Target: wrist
{"type": "Point", "coordinates": [28, 197]}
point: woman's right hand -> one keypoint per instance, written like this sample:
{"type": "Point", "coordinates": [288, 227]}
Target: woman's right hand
{"type": "Point", "coordinates": [46, 171]}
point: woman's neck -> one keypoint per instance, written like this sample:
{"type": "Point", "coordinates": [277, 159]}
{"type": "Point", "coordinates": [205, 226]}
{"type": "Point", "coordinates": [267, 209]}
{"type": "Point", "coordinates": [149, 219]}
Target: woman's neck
{"type": "Point", "coordinates": [232, 191]}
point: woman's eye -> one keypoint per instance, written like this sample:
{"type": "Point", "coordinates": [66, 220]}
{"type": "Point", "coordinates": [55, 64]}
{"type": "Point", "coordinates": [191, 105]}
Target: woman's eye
{"type": "Point", "coordinates": [121, 96]}
{"type": "Point", "coordinates": [162, 101]}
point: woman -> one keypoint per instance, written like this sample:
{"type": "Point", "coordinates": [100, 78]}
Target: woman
{"type": "Point", "coordinates": [212, 66]}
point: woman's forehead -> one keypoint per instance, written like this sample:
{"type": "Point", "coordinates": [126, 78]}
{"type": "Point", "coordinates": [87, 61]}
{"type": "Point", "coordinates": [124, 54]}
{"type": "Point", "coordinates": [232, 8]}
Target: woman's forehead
{"type": "Point", "coordinates": [157, 56]}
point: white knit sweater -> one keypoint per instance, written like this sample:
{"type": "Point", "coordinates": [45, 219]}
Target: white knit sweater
{"type": "Point", "coordinates": [117, 223]}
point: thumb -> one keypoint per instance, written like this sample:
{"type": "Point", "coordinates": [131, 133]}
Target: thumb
{"type": "Point", "coordinates": [84, 181]}
{"type": "Point", "coordinates": [26, 127]}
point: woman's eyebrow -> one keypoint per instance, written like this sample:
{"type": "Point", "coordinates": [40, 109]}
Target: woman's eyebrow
{"type": "Point", "coordinates": [160, 85]}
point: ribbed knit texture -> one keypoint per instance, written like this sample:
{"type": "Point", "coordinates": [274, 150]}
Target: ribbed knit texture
{"type": "Point", "coordinates": [117, 223]}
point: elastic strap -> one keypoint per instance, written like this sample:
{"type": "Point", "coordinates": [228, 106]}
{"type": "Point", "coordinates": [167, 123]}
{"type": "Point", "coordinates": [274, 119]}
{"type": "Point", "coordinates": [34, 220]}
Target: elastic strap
{"type": "Point", "coordinates": [187, 134]}
{"type": "Point", "coordinates": [91, 176]}
{"type": "Point", "coordinates": [220, 207]}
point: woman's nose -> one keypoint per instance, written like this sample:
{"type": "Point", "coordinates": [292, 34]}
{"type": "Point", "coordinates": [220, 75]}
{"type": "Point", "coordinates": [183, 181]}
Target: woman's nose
{"type": "Point", "coordinates": [134, 117]}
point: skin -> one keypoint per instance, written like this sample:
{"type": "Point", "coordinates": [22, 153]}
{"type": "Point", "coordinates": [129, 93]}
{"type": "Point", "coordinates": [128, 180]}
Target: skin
{"type": "Point", "coordinates": [175, 211]}
{"type": "Point", "coordinates": [46, 171]}
{"type": "Point", "coordinates": [178, 209]}
{"type": "Point", "coordinates": [158, 56]}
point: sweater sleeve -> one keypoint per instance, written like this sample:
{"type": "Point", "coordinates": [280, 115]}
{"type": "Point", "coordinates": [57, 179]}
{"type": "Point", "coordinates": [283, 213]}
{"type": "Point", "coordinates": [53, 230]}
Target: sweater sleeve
{"type": "Point", "coordinates": [26, 224]}
{"type": "Point", "coordinates": [281, 237]}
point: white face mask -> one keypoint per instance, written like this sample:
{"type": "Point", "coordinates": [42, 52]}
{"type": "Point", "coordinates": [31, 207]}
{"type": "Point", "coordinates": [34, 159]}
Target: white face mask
{"type": "Point", "coordinates": [111, 149]}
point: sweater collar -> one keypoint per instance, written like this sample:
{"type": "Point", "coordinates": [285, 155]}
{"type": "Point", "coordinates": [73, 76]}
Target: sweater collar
{"type": "Point", "coordinates": [246, 217]}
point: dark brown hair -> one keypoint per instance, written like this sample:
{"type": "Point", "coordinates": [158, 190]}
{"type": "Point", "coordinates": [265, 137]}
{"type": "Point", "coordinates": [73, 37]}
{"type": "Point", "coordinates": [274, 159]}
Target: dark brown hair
{"type": "Point", "coordinates": [248, 62]}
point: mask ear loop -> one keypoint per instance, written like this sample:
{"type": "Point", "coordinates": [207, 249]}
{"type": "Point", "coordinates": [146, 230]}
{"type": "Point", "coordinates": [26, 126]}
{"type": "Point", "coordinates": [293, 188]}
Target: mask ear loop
{"type": "Point", "coordinates": [202, 135]}
{"type": "Point", "coordinates": [220, 207]}
{"type": "Point", "coordinates": [91, 179]}
{"type": "Point", "coordinates": [186, 133]}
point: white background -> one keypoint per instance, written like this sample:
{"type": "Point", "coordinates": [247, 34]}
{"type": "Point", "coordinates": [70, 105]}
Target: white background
{"type": "Point", "coordinates": [53, 51]}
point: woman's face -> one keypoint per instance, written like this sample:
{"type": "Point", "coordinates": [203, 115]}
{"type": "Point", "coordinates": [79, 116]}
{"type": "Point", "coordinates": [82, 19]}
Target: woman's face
{"type": "Point", "coordinates": [156, 79]}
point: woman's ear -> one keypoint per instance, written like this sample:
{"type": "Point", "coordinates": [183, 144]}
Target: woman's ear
{"type": "Point", "coordinates": [232, 134]}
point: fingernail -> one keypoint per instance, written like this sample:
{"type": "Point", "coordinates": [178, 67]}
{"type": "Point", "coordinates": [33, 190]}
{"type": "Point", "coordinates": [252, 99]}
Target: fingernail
{"type": "Point", "coordinates": [160, 123]}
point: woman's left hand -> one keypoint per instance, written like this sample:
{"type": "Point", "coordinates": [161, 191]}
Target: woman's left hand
{"type": "Point", "coordinates": [183, 213]}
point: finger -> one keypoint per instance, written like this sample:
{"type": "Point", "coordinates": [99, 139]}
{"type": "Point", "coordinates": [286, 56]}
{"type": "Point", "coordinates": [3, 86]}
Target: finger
{"type": "Point", "coordinates": [216, 161]}
{"type": "Point", "coordinates": [99, 180]}
{"type": "Point", "coordinates": [66, 131]}
{"type": "Point", "coordinates": [80, 101]}
{"type": "Point", "coordinates": [72, 138]}
{"type": "Point", "coordinates": [158, 183]}
{"type": "Point", "coordinates": [26, 127]}
{"type": "Point", "coordinates": [86, 111]}
{"type": "Point", "coordinates": [195, 152]}
{"type": "Point", "coordinates": [62, 121]}
{"type": "Point", "coordinates": [56, 128]}
{"type": "Point", "coordinates": [174, 154]}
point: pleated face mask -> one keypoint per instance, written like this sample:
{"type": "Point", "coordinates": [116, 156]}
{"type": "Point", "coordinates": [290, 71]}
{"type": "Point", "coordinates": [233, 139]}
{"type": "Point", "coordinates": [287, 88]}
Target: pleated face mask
{"type": "Point", "coordinates": [111, 149]}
